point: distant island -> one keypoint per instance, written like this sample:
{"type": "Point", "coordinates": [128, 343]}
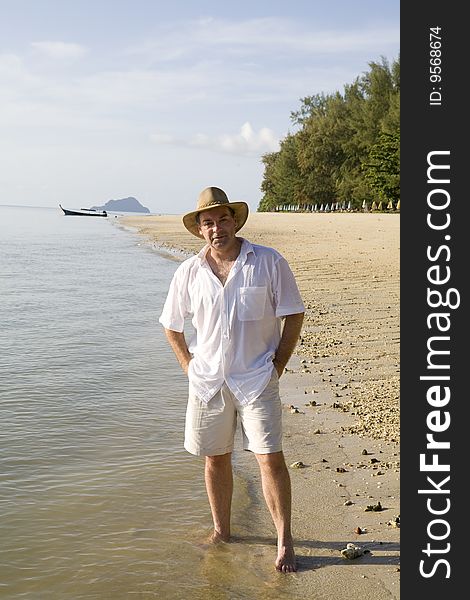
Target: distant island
{"type": "Point", "coordinates": [130, 204]}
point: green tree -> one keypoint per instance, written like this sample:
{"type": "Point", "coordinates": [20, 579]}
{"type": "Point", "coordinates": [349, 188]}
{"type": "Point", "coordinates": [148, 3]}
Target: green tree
{"type": "Point", "coordinates": [382, 171]}
{"type": "Point", "coordinates": [269, 200]}
{"type": "Point", "coordinates": [324, 161]}
{"type": "Point", "coordinates": [282, 178]}
{"type": "Point", "coordinates": [320, 152]}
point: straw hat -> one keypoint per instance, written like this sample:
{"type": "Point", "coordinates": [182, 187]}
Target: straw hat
{"type": "Point", "coordinates": [212, 197]}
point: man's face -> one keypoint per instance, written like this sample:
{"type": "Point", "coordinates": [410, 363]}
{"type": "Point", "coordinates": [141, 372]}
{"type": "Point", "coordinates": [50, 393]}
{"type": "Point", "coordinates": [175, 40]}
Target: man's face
{"type": "Point", "coordinates": [217, 225]}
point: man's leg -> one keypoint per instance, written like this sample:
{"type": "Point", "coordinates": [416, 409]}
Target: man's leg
{"type": "Point", "coordinates": [277, 493]}
{"type": "Point", "coordinates": [219, 486]}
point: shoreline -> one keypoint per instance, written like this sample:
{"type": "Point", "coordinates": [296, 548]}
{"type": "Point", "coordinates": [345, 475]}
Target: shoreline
{"type": "Point", "coordinates": [344, 380]}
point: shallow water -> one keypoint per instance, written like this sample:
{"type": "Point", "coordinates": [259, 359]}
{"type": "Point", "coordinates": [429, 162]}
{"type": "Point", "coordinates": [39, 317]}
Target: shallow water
{"type": "Point", "coordinates": [98, 499]}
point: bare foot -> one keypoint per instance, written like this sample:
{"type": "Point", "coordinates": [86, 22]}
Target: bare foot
{"type": "Point", "coordinates": [216, 538]}
{"type": "Point", "coordinates": [285, 561]}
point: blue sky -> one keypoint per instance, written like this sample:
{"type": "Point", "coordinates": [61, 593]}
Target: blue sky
{"type": "Point", "coordinates": [158, 100]}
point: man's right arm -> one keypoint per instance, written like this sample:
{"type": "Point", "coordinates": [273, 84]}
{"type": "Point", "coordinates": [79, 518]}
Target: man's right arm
{"type": "Point", "coordinates": [180, 348]}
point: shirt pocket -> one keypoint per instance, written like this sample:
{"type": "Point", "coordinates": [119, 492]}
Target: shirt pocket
{"type": "Point", "coordinates": [251, 303]}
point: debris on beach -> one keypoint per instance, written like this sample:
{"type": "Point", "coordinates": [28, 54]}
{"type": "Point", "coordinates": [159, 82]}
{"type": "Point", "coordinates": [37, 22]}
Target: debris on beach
{"type": "Point", "coordinates": [352, 551]}
{"type": "Point", "coordinates": [348, 503]}
{"type": "Point", "coordinates": [364, 452]}
{"type": "Point", "coordinates": [311, 403]}
{"type": "Point", "coordinates": [311, 391]}
{"type": "Point", "coordinates": [341, 470]}
{"type": "Point", "coordinates": [377, 408]}
{"type": "Point", "coordinates": [374, 507]}
{"type": "Point", "coordinates": [297, 465]}
{"type": "Point", "coordinates": [360, 530]}
{"type": "Point", "coordinates": [395, 522]}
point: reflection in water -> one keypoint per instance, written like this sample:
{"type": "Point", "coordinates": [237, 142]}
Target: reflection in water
{"type": "Point", "coordinates": [98, 498]}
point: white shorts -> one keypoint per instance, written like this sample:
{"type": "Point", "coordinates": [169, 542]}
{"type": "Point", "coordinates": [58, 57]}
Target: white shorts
{"type": "Point", "coordinates": [210, 427]}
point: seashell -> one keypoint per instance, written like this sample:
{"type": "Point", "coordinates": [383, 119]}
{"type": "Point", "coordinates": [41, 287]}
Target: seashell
{"type": "Point", "coordinates": [352, 551]}
{"type": "Point", "coordinates": [395, 522]}
{"type": "Point", "coordinates": [360, 530]}
{"type": "Point", "coordinates": [297, 465]}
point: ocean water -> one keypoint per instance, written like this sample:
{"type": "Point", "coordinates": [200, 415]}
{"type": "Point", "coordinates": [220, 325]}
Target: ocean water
{"type": "Point", "coordinates": [98, 499]}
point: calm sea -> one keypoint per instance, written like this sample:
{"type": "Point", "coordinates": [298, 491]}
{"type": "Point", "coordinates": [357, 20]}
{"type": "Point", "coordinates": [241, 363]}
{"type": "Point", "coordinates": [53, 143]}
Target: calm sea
{"type": "Point", "coordinates": [98, 499]}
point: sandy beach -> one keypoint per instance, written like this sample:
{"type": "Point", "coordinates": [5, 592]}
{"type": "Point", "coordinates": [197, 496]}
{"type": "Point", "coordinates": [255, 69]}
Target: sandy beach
{"type": "Point", "coordinates": [340, 394]}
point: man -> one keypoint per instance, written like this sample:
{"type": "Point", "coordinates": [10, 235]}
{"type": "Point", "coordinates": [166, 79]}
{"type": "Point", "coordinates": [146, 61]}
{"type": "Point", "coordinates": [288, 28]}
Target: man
{"type": "Point", "coordinates": [237, 295]}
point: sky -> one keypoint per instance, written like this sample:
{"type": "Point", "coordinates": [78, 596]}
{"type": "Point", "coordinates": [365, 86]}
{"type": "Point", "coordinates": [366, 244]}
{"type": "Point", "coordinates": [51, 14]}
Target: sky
{"type": "Point", "coordinates": [104, 99]}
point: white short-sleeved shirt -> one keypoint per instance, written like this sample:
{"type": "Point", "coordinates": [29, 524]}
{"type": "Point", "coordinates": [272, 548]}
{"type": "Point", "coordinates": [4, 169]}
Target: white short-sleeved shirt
{"type": "Point", "coordinates": [237, 325]}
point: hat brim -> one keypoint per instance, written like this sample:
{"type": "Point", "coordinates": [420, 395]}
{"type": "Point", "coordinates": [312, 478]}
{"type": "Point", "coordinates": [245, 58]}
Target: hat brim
{"type": "Point", "coordinates": [240, 210]}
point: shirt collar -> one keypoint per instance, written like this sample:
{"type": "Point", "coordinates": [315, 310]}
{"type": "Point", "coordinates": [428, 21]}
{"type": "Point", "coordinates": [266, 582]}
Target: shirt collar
{"type": "Point", "coordinates": [245, 249]}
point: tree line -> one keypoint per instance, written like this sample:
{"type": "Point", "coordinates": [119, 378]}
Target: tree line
{"type": "Point", "coordinates": [346, 149]}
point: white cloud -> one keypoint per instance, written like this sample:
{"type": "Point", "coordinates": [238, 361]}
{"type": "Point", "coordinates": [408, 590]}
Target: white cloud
{"type": "Point", "coordinates": [187, 70]}
{"type": "Point", "coordinates": [59, 50]}
{"type": "Point", "coordinates": [162, 138]}
{"type": "Point", "coordinates": [260, 36]}
{"type": "Point", "coordinates": [247, 142]}
{"type": "Point", "coordinates": [10, 63]}
{"type": "Point", "coordinates": [13, 73]}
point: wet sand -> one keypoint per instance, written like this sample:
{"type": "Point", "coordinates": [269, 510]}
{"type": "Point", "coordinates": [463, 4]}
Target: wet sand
{"type": "Point", "coordinates": [343, 381]}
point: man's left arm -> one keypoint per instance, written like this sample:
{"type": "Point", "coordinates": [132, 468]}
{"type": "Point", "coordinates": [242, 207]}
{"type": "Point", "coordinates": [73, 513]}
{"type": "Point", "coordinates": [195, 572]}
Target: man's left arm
{"type": "Point", "coordinates": [289, 338]}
